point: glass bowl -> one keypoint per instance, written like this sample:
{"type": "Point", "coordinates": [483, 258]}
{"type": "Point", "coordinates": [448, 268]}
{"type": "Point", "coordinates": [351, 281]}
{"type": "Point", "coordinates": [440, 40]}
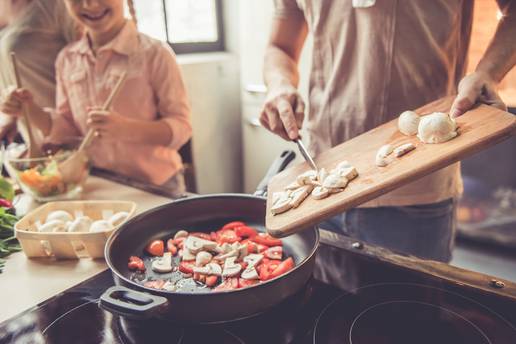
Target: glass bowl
{"type": "Point", "coordinates": [40, 177]}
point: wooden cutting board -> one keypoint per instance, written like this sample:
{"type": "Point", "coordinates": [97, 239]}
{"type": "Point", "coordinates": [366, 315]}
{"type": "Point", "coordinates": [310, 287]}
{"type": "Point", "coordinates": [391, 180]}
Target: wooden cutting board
{"type": "Point", "coordinates": [479, 128]}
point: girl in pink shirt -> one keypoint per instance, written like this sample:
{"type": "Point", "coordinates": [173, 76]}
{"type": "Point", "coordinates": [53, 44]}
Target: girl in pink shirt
{"type": "Point", "coordinates": [149, 119]}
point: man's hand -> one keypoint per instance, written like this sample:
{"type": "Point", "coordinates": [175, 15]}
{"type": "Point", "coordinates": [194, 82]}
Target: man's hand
{"type": "Point", "coordinates": [283, 112]}
{"type": "Point", "coordinates": [110, 124]}
{"type": "Point", "coordinates": [476, 87]}
{"type": "Point", "coordinates": [13, 100]}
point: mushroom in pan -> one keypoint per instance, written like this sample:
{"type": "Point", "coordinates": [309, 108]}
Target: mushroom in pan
{"type": "Point", "coordinates": [195, 244]}
{"type": "Point", "coordinates": [253, 259]}
{"type": "Point", "coordinates": [187, 255]}
{"type": "Point", "coordinates": [250, 273]}
{"type": "Point", "coordinates": [208, 269]}
{"type": "Point", "coordinates": [231, 268]}
{"type": "Point", "coordinates": [180, 234]}
{"type": "Point", "coordinates": [162, 264]}
{"type": "Point", "coordinates": [202, 258]}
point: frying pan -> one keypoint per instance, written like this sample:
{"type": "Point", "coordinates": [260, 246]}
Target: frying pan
{"type": "Point", "coordinates": [203, 214]}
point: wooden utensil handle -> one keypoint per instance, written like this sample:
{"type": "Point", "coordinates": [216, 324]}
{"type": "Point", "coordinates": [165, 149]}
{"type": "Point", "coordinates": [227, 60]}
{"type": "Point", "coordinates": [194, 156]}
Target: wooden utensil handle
{"type": "Point", "coordinates": [90, 134]}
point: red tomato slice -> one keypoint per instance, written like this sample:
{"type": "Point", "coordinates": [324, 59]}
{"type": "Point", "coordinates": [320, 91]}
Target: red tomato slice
{"type": "Point", "coordinates": [243, 283]}
{"type": "Point", "coordinates": [283, 267]}
{"type": "Point", "coordinates": [245, 231]}
{"type": "Point", "coordinates": [201, 235]}
{"type": "Point", "coordinates": [171, 247]}
{"type": "Point", "coordinates": [251, 246]}
{"type": "Point", "coordinates": [135, 263]}
{"type": "Point", "coordinates": [263, 272]}
{"type": "Point", "coordinates": [233, 224]}
{"type": "Point", "coordinates": [267, 240]}
{"type": "Point", "coordinates": [155, 248]}
{"type": "Point", "coordinates": [186, 266]}
{"type": "Point", "coordinates": [179, 242]}
{"type": "Point", "coordinates": [275, 252]}
{"type": "Point", "coordinates": [211, 280]}
{"type": "Point", "coordinates": [214, 236]}
{"type": "Point", "coordinates": [229, 236]}
{"type": "Point", "coordinates": [228, 284]}
{"type": "Point", "coordinates": [157, 284]}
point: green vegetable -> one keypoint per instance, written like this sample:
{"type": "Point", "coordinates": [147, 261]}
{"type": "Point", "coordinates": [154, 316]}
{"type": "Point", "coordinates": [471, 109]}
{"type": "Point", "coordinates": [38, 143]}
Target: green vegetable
{"type": "Point", "coordinates": [8, 243]}
{"type": "Point", "coordinates": [6, 190]}
{"type": "Point", "coordinates": [50, 169]}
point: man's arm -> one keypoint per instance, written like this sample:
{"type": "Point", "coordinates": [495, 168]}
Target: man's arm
{"type": "Point", "coordinates": [283, 111]}
{"type": "Point", "coordinates": [499, 58]}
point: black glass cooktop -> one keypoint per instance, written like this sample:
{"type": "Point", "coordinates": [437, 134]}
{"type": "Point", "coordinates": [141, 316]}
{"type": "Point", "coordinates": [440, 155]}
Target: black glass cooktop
{"type": "Point", "coordinates": [376, 303]}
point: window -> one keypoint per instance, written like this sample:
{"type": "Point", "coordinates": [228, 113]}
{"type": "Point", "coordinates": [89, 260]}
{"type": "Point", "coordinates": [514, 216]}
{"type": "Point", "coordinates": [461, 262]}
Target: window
{"type": "Point", "coordinates": [188, 25]}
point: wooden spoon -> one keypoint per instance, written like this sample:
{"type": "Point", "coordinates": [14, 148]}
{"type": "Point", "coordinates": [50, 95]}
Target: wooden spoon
{"type": "Point", "coordinates": [71, 167]}
{"type": "Point", "coordinates": [33, 149]}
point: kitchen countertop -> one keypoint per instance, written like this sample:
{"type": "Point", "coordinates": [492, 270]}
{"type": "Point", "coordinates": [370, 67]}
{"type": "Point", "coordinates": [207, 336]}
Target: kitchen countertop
{"type": "Point", "coordinates": [27, 282]}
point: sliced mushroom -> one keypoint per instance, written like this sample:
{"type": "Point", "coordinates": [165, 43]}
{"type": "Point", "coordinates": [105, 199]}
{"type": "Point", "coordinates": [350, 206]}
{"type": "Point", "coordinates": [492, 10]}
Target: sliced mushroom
{"type": "Point", "coordinates": [335, 181]}
{"type": "Point", "coordinates": [281, 206]}
{"type": "Point", "coordinates": [322, 175]}
{"type": "Point", "coordinates": [292, 186]}
{"type": "Point", "coordinates": [180, 234]}
{"type": "Point", "coordinates": [299, 195]}
{"type": "Point", "coordinates": [231, 268]}
{"type": "Point", "coordinates": [276, 196]}
{"type": "Point", "coordinates": [381, 155]}
{"type": "Point", "coordinates": [250, 273]}
{"type": "Point", "coordinates": [208, 269]}
{"type": "Point", "coordinates": [202, 258]}
{"type": "Point", "coordinates": [403, 149]}
{"type": "Point", "coordinates": [230, 254]}
{"type": "Point", "coordinates": [242, 252]}
{"type": "Point", "coordinates": [195, 244]}
{"type": "Point", "coordinates": [253, 259]}
{"type": "Point", "coordinates": [163, 264]}
{"type": "Point", "coordinates": [349, 173]}
{"type": "Point", "coordinates": [187, 255]}
{"type": "Point", "coordinates": [320, 192]}
{"type": "Point", "coordinates": [307, 177]}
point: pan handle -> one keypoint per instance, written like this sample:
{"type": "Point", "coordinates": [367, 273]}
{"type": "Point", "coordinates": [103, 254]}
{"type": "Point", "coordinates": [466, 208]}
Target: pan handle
{"type": "Point", "coordinates": [277, 166]}
{"type": "Point", "coordinates": [126, 302]}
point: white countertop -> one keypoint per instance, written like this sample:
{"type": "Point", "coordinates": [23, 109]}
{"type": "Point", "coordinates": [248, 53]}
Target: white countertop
{"type": "Point", "coordinates": [27, 282]}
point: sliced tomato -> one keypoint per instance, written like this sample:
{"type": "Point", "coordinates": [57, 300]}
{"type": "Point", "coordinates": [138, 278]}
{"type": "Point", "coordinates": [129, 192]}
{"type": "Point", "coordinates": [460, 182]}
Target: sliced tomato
{"type": "Point", "coordinates": [275, 252]}
{"type": "Point", "coordinates": [135, 263]}
{"type": "Point", "coordinates": [228, 235]}
{"type": "Point", "coordinates": [155, 248]}
{"type": "Point", "coordinates": [244, 283]}
{"type": "Point", "coordinates": [232, 225]}
{"type": "Point", "coordinates": [283, 267]}
{"type": "Point", "coordinates": [263, 272]}
{"type": "Point", "coordinates": [228, 284]}
{"type": "Point", "coordinates": [245, 231]}
{"type": "Point", "coordinates": [214, 236]}
{"type": "Point", "coordinates": [186, 266]}
{"type": "Point", "coordinates": [171, 247]}
{"type": "Point", "coordinates": [211, 280]}
{"type": "Point", "coordinates": [201, 235]}
{"type": "Point", "coordinates": [179, 242]}
{"type": "Point", "coordinates": [157, 284]}
{"type": "Point", "coordinates": [251, 246]}
{"type": "Point", "coordinates": [267, 240]}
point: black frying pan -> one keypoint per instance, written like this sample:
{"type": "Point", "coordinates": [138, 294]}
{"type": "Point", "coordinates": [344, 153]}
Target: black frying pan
{"type": "Point", "coordinates": [203, 214]}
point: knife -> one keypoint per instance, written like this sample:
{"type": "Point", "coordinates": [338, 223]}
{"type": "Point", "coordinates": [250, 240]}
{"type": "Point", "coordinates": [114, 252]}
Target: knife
{"type": "Point", "coordinates": [305, 154]}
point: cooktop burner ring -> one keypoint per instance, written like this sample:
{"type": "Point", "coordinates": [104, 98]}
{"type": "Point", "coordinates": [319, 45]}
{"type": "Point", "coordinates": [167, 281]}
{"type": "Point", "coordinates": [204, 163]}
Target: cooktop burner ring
{"type": "Point", "coordinates": [369, 303]}
{"type": "Point", "coordinates": [365, 311]}
{"type": "Point", "coordinates": [68, 312]}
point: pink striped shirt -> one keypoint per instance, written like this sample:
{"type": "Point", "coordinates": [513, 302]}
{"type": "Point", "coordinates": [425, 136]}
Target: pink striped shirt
{"type": "Point", "coordinates": [152, 90]}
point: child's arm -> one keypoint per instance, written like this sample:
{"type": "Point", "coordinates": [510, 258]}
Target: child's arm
{"type": "Point", "coordinates": [172, 128]}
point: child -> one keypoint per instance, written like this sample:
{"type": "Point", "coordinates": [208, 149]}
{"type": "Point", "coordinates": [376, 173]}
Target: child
{"type": "Point", "coordinates": [149, 119]}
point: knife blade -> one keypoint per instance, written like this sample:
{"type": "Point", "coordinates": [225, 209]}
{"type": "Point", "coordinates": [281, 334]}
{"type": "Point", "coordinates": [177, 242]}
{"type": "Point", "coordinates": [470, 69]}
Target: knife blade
{"type": "Point", "coordinates": [305, 154]}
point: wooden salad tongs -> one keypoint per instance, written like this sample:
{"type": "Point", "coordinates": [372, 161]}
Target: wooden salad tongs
{"type": "Point", "coordinates": [34, 151]}
{"type": "Point", "coordinates": [70, 168]}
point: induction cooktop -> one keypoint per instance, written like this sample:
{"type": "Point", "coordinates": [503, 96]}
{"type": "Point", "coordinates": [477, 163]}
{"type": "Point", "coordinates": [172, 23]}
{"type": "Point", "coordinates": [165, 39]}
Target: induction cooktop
{"type": "Point", "coordinates": [358, 295]}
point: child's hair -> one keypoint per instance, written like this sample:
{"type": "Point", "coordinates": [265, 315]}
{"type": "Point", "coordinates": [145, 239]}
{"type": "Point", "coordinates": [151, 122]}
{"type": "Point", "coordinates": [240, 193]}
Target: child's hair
{"type": "Point", "coordinates": [130, 5]}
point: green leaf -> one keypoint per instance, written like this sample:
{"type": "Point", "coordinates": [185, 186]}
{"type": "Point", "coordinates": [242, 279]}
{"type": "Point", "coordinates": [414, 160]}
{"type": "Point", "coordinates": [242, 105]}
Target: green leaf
{"type": "Point", "coordinates": [6, 190]}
